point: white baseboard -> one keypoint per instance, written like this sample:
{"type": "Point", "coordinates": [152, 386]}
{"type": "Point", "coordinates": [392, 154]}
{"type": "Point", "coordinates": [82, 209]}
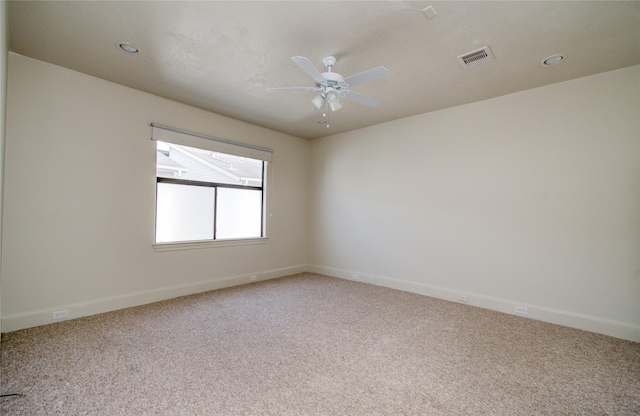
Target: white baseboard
{"type": "Point", "coordinates": [44, 316]}
{"type": "Point", "coordinates": [595, 324]}
{"type": "Point", "coordinates": [603, 326]}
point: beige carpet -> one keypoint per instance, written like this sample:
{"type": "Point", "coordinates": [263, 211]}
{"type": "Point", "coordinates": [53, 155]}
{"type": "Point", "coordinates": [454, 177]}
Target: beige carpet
{"type": "Point", "coordinates": [315, 345]}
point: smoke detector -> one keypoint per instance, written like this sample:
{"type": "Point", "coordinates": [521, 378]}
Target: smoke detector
{"type": "Point", "coordinates": [477, 57]}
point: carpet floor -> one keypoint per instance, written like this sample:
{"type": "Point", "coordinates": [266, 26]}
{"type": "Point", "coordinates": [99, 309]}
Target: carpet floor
{"type": "Point", "coordinates": [314, 345]}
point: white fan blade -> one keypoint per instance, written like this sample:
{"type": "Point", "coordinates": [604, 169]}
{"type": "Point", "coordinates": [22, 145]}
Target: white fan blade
{"type": "Point", "coordinates": [366, 76]}
{"type": "Point", "coordinates": [288, 89]}
{"type": "Point", "coordinates": [359, 98]}
{"type": "Point", "coordinates": [309, 68]}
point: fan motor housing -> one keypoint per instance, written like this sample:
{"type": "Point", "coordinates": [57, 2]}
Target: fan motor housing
{"type": "Point", "coordinates": [332, 79]}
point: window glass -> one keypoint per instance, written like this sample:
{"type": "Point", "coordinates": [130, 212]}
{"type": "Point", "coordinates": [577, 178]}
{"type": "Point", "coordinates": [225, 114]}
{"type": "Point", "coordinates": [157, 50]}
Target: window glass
{"type": "Point", "coordinates": [239, 213]}
{"type": "Point", "coordinates": [184, 213]}
{"type": "Point", "coordinates": [205, 195]}
{"type": "Point", "coordinates": [189, 163]}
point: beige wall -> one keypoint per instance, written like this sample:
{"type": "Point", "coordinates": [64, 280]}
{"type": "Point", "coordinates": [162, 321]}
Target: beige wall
{"type": "Point", "coordinates": [4, 50]}
{"type": "Point", "coordinates": [530, 199]}
{"type": "Point", "coordinates": [80, 199]}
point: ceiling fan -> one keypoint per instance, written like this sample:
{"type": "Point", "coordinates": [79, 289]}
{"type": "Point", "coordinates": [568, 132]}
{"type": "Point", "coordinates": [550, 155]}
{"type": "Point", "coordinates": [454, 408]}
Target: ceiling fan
{"type": "Point", "coordinates": [332, 86]}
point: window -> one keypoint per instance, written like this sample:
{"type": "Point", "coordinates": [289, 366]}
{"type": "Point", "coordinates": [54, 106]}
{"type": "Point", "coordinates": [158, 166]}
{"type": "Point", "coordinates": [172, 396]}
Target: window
{"type": "Point", "coordinates": [205, 194]}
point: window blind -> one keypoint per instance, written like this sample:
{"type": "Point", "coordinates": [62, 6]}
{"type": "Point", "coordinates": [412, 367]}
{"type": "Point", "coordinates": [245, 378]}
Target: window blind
{"type": "Point", "coordinates": [201, 141]}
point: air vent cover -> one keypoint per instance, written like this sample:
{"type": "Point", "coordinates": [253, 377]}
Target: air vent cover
{"type": "Point", "coordinates": [476, 57]}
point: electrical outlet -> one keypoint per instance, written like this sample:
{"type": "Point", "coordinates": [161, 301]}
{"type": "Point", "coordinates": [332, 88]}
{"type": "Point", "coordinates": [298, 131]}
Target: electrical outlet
{"type": "Point", "coordinates": [463, 299]}
{"type": "Point", "coordinates": [355, 277]}
{"type": "Point", "coordinates": [60, 314]}
{"type": "Point", "coordinates": [521, 310]}
{"type": "Point", "coordinates": [253, 278]}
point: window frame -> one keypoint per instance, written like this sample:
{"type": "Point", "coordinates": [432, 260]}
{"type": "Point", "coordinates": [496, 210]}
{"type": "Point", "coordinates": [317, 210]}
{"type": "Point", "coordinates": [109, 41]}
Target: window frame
{"type": "Point", "coordinates": [160, 133]}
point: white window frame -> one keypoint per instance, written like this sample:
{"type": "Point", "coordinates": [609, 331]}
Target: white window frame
{"type": "Point", "coordinates": [182, 137]}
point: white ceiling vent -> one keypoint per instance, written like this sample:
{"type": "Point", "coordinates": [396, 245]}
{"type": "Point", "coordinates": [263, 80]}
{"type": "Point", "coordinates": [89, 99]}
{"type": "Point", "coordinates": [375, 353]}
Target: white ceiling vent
{"type": "Point", "coordinates": [476, 57]}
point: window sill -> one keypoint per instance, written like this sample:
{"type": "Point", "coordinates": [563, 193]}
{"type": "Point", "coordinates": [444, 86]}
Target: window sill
{"type": "Point", "coordinates": [192, 245]}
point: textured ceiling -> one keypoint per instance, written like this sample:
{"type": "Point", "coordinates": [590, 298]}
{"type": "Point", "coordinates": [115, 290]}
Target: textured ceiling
{"type": "Point", "coordinates": [221, 56]}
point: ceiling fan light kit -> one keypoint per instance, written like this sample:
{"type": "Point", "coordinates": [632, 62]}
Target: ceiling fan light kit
{"type": "Point", "coordinates": [334, 101]}
{"type": "Point", "coordinates": [332, 86]}
{"type": "Point", "coordinates": [318, 101]}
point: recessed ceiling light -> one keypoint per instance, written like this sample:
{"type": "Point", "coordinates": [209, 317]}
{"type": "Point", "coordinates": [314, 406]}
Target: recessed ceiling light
{"type": "Point", "coordinates": [127, 47]}
{"type": "Point", "coordinates": [552, 60]}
